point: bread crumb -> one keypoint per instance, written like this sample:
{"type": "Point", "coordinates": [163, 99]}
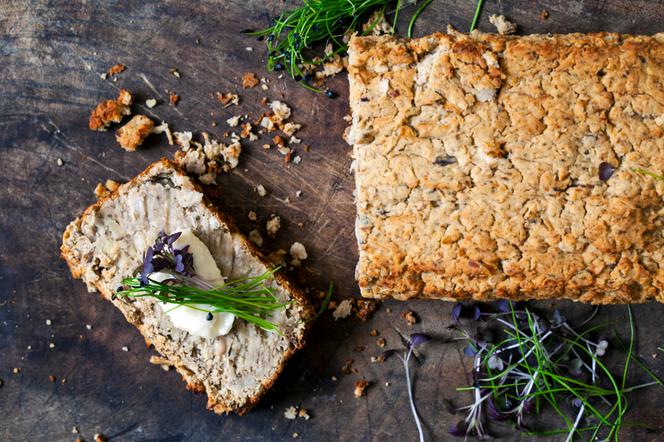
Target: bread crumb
{"type": "Point", "coordinates": [264, 87]}
{"type": "Point", "coordinates": [173, 98]}
{"type": "Point", "coordinates": [112, 185]}
{"type": "Point", "coordinates": [16, 370]}
{"type": "Point", "coordinates": [132, 134]}
{"type": "Point", "coordinates": [503, 26]}
{"type": "Point", "coordinates": [249, 80]}
{"type": "Point", "coordinates": [334, 379]}
{"type": "Point", "coordinates": [261, 190]}
{"type": "Point", "coordinates": [183, 139]}
{"type": "Point", "coordinates": [410, 317]}
{"type": "Point", "coordinates": [60, 162]}
{"type": "Point", "coordinates": [227, 99]}
{"type": "Point", "coordinates": [103, 76]}
{"type": "Point", "coordinates": [51, 345]}
{"type": "Point", "coordinates": [233, 121]}
{"type": "Point", "coordinates": [74, 430]}
{"type": "Point", "coordinates": [297, 159]}
{"type": "Point", "coordinates": [290, 413]}
{"type": "Point", "coordinates": [365, 308]}
{"type": "Point", "coordinates": [544, 14]}
{"type": "Point", "coordinates": [298, 251]}
{"type": "Point", "coordinates": [99, 438]}
{"type": "Point", "coordinates": [174, 72]}
{"type": "Point", "coordinates": [249, 49]}
{"type": "Point", "coordinates": [374, 332]}
{"type": "Point", "coordinates": [88, 326]}
{"type": "Point", "coordinates": [360, 388]}
{"type": "Point", "coordinates": [48, 322]}
{"type": "Point", "coordinates": [163, 128]}
{"type": "Point", "coordinates": [151, 103]}
{"type": "Point", "coordinates": [381, 342]}
{"type": "Point", "coordinates": [110, 111]}
{"type": "Point", "coordinates": [296, 435]}
{"type": "Point", "coordinates": [125, 348]}
{"type": "Point", "coordinates": [116, 69]}
{"type": "Point", "coordinates": [347, 367]}
{"type": "Point", "coordinates": [304, 413]}
{"type": "Point", "coordinates": [252, 215]}
{"type": "Point", "coordinates": [343, 309]}
{"type": "Point", "coordinates": [273, 225]}
{"type": "Point", "coordinates": [51, 378]}
{"type": "Point", "coordinates": [256, 238]}
{"type": "Point", "coordinates": [378, 359]}
{"type": "Point", "coordinates": [280, 109]}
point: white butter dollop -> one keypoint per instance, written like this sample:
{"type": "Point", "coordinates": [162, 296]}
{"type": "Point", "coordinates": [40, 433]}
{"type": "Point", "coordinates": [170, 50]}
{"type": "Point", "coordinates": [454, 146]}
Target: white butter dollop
{"type": "Point", "coordinates": [187, 318]}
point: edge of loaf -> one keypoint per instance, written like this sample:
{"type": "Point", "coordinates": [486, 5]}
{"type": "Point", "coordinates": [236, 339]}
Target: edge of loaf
{"type": "Point", "coordinates": [234, 254]}
{"type": "Point", "coordinates": [476, 166]}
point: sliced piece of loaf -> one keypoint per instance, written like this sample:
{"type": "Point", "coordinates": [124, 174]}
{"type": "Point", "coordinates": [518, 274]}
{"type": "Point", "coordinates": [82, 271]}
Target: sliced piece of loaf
{"type": "Point", "coordinates": [106, 244]}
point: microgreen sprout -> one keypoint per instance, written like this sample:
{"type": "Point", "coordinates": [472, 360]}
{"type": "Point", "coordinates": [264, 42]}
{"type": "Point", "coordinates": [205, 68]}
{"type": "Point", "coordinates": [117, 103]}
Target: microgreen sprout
{"type": "Point", "coordinates": [294, 35]}
{"type": "Point", "coordinates": [250, 298]}
{"type": "Point", "coordinates": [410, 343]}
{"type": "Point", "coordinates": [648, 173]}
{"type": "Point", "coordinates": [535, 361]}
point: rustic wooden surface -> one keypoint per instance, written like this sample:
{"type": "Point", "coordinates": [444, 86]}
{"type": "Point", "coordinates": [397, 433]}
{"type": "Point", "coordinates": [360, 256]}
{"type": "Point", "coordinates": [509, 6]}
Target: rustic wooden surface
{"type": "Point", "coordinates": [52, 55]}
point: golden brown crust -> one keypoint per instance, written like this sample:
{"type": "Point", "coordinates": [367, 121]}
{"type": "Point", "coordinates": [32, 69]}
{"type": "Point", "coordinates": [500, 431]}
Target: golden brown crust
{"type": "Point", "coordinates": [477, 166]}
{"type": "Point", "coordinates": [110, 111]}
{"type": "Point", "coordinates": [132, 134]}
{"type": "Point", "coordinates": [192, 384]}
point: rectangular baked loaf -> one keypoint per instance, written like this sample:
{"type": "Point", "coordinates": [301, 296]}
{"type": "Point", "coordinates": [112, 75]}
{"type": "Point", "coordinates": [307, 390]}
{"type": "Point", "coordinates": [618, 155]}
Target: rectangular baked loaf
{"type": "Point", "coordinates": [504, 167]}
{"type": "Point", "coordinates": [107, 243]}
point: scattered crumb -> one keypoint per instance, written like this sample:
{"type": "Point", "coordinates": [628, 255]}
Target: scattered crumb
{"type": "Point", "coordinates": [151, 103]}
{"type": "Point", "coordinates": [281, 110]}
{"type": "Point", "coordinates": [110, 111]}
{"type": "Point", "coordinates": [297, 159]}
{"type": "Point", "coordinates": [116, 69]}
{"type": "Point", "coordinates": [343, 309]}
{"type": "Point", "coordinates": [334, 379]}
{"type": "Point", "coordinates": [161, 361]}
{"type": "Point", "coordinates": [48, 322]}
{"type": "Point", "coordinates": [360, 387]}
{"type": "Point", "coordinates": [183, 139]}
{"type": "Point", "coordinates": [249, 80]}
{"type": "Point", "coordinates": [387, 384]}
{"type": "Point", "coordinates": [99, 438]}
{"type": "Point", "coordinates": [290, 413]}
{"type": "Point", "coordinates": [347, 367]}
{"type": "Point", "coordinates": [264, 86]}
{"type": "Point", "coordinates": [261, 190]}
{"type": "Point", "coordinates": [51, 378]}
{"type": "Point", "coordinates": [544, 14]}
{"type": "Point", "coordinates": [290, 128]}
{"type": "Point", "coordinates": [410, 317]}
{"type": "Point", "coordinates": [304, 413]}
{"type": "Point", "coordinates": [103, 76]}
{"type": "Point", "coordinates": [378, 359]}
{"type": "Point", "coordinates": [233, 121]}
{"type": "Point", "coordinates": [227, 99]}
{"type": "Point", "coordinates": [252, 215]}
{"type": "Point", "coordinates": [16, 370]}
{"type": "Point", "coordinates": [365, 308]}
{"type": "Point", "coordinates": [173, 98]}
{"type": "Point", "coordinates": [125, 348]}
{"type": "Point", "coordinates": [174, 72]}
{"type": "Point", "coordinates": [381, 342]}
{"type": "Point", "coordinates": [256, 238]}
{"type": "Point", "coordinates": [88, 326]}
{"type": "Point", "coordinates": [249, 49]}
{"type": "Point", "coordinates": [503, 26]}
{"type": "Point", "coordinates": [60, 162]}
{"type": "Point", "coordinates": [74, 430]}
{"type": "Point", "coordinates": [132, 134]}
{"type": "Point", "coordinates": [374, 332]}
{"type": "Point", "coordinates": [163, 128]}
{"type": "Point", "coordinates": [298, 193]}
{"type": "Point", "coordinates": [298, 251]}
{"type": "Point", "coordinates": [296, 435]}
{"type": "Point", "coordinates": [273, 225]}
{"type": "Point", "coordinates": [51, 345]}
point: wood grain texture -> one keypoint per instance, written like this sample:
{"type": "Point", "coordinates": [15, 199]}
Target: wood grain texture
{"type": "Point", "coordinates": [52, 55]}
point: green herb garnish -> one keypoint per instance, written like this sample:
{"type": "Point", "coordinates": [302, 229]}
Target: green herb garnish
{"type": "Point", "coordinates": [248, 299]}
{"type": "Point", "coordinates": [648, 173]}
{"type": "Point", "coordinates": [476, 17]}
{"type": "Point", "coordinates": [293, 35]}
{"type": "Point", "coordinates": [537, 362]}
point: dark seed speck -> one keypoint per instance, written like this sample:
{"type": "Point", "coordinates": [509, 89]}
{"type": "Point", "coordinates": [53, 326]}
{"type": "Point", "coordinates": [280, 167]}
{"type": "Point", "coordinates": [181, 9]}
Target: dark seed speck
{"type": "Point", "coordinates": [330, 94]}
{"type": "Point", "coordinates": [605, 171]}
{"type": "Point", "coordinates": [209, 316]}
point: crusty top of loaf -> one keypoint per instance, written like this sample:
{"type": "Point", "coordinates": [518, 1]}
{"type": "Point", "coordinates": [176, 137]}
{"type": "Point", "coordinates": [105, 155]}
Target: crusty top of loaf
{"type": "Point", "coordinates": [106, 244]}
{"type": "Point", "coordinates": [477, 164]}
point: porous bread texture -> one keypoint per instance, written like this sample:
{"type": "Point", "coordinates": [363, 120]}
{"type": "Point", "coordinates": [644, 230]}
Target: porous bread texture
{"type": "Point", "coordinates": [106, 244]}
{"type": "Point", "coordinates": [476, 166]}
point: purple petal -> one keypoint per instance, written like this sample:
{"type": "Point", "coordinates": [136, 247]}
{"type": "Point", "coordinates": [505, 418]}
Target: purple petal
{"type": "Point", "coordinates": [470, 350]}
{"type": "Point", "coordinates": [179, 265]}
{"type": "Point", "coordinates": [170, 239]}
{"type": "Point", "coordinates": [477, 313]}
{"type": "Point", "coordinates": [503, 305]}
{"type": "Point", "coordinates": [418, 339]}
{"type": "Point", "coordinates": [459, 429]}
{"type": "Point", "coordinates": [456, 311]}
{"type": "Point", "coordinates": [493, 412]}
{"type": "Point", "coordinates": [577, 402]}
{"type": "Point", "coordinates": [605, 171]}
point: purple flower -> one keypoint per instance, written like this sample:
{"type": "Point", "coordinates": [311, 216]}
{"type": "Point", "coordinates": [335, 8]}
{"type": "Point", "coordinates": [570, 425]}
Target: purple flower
{"type": "Point", "coordinates": [503, 305]}
{"type": "Point", "coordinates": [477, 313]}
{"type": "Point", "coordinates": [417, 339]}
{"type": "Point", "coordinates": [605, 171]}
{"type": "Point", "coordinates": [470, 350]}
{"type": "Point", "coordinates": [148, 267]}
{"type": "Point", "coordinates": [456, 311]}
{"type": "Point", "coordinates": [493, 412]}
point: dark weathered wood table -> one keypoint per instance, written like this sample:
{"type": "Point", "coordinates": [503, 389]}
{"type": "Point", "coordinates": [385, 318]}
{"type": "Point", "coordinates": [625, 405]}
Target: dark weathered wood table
{"type": "Point", "coordinates": [52, 55]}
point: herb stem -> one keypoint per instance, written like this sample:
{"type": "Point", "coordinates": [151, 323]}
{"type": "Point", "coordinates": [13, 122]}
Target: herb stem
{"type": "Point", "coordinates": [476, 17]}
{"type": "Point", "coordinates": [406, 360]}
